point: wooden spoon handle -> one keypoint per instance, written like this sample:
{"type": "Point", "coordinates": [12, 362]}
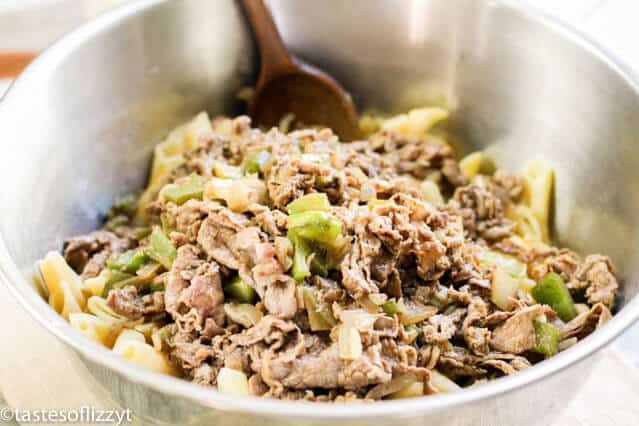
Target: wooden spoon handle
{"type": "Point", "coordinates": [12, 62]}
{"type": "Point", "coordinates": [274, 55]}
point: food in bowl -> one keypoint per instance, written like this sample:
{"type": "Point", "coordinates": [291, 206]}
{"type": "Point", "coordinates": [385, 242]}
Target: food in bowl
{"type": "Point", "coordinates": [290, 265]}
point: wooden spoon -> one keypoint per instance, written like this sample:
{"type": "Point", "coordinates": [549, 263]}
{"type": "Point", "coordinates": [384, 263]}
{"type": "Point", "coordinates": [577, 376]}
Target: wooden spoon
{"type": "Point", "coordinates": [287, 85]}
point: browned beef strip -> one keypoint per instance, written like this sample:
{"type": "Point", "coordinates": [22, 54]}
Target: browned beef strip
{"type": "Point", "coordinates": [126, 302]}
{"type": "Point", "coordinates": [88, 254]}
{"type": "Point", "coordinates": [509, 185]}
{"type": "Point", "coordinates": [482, 212]}
{"type": "Point", "coordinates": [407, 227]}
{"type": "Point", "coordinates": [218, 232]}
{"type": "Point", "coordinates": [194, 295]}
{"type": "Point", "coordinates": [475, 335]}
{"type": "Point", "coordinates": [597, 277]}
{"type": "Point", "coordinates": [356, 267]}
{"type": "Point", "coordinates": [286, 181]}
{"type": "Point", "coordinates": [593, 277]}
{"type": "Point", "coordinates": [587, 322]}
{"type": "Point", "coordinates": [418, 157]}
{"type": "Point", "coordinates": [273, 222]}
{"type": "Point", "coordinates": [517, 333]}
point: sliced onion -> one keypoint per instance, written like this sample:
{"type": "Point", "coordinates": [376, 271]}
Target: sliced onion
{"type": "Point", "coordinates": [394, 385]}
{"type": "Point", "coordinates": [442, 383]}
{"type": "Point", "coordinates": [232, 382]}
{"type": "Point", "coordinates": [238, 194]}
{"type": "Point", "coordinates": [503, 289]}
{"type": "Point", "coordinates": [243, 313]}
{"type": "Point", "coordinates": [409, 391]}
{"type": "Point", "coordinates": [349, 342]}
{"type": "Point", "coordinates": [414, 313]}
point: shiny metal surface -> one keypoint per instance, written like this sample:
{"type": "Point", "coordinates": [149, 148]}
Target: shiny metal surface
{"type": "Point", "coordinates": [79, 124]}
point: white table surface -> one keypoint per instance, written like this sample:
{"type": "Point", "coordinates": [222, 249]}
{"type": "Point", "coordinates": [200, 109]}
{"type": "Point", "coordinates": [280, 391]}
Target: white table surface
{"type": "Point", "coordinates": [37, 371]}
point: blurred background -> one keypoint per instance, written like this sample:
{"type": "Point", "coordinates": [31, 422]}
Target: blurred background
{"type": "Point", "coordinates": [31, 25]}
{"type": "Point", "coordinates": [34, 24]}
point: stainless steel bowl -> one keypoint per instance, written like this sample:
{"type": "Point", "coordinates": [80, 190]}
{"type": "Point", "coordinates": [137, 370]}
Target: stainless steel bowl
{"type": "Point", "coordinates": [79, 124]}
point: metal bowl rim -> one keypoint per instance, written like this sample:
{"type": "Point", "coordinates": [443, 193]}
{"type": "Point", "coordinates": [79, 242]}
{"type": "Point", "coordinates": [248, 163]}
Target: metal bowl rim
{"type": "Point", "coordinates": [39, 309]}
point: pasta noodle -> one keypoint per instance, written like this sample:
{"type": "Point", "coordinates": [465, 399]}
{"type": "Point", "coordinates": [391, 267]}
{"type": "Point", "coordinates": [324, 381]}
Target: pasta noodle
{"type": "Point", "coordinates": [470, 165]}
{"type": "Point", "coordinates": [132, 345]}
{"type": "Point", "coordinates": [98, 329]}
{"type": "Point", "coordinates": [38, 281]}
{"type": "Point", "coordinates": [63, 284]}
{"type": "Point", "coordinates": [528, 225]}
{"type": "Point", "coordinates": [431, 193]}
{"type": "Point", "coordinates": [168, 155]}
{"type": "Point", "coordinates": [147, 329]}
{"type": "Point", "coordinates": [95, 319]}
{"type": "Point", "coordinates": [416, 122]}
{"type": "Point", "coordinates": [370, 123]}
{"type": "Point", "coordinates": [539, 177]}
{"type": "Point", "coordinates": [94, 286]}
{"type": "Point", "coordinates": [98, 306]}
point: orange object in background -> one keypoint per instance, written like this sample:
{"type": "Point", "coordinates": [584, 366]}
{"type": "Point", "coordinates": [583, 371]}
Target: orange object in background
{"type": "Point", "coordinates": [12, 62]}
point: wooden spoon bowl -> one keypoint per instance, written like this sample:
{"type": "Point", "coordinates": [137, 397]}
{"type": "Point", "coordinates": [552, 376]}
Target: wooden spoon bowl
{"type": "Point", "coordinates": [288, 85]}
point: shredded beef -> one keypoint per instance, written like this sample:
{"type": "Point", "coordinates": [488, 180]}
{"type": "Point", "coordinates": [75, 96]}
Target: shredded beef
{"type": "Point", "coordinates": [596, 276]}
{"type": "Point", "coordinates": [126, 302]}
{"type": "Point", "coordinates": [517, 334]}
{"type": "Point", "coordinates": [476, 337]}
{"type": "Point", "coordinates": [219, 233]}
{"type": "Point", "coordinates": [585, 323]}
{"type": "Point", "coordinates": [439, 329]}
{"type": "Point", "coordinates": [403, 292]}
{"type": "Point", "coordinates": [482, 212]}
{"type": "Point", "coordinates": [88, 254]}
{"type": "Point", "coordinates": [593, 277]}
{"type": "Point", "coordinates": [356, 267]}
{"type": "Point", "coordinates": [194, 296]}
{"type": "Point", "coordinates": [273, 222]}
{"type": "Point", "coordinates": [415, 156]}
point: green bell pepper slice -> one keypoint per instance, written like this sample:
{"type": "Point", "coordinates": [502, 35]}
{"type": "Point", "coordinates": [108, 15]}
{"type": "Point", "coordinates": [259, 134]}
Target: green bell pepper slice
{"type": "Point", "coordinates": [317, 201]}
{"type": "Point", "coordinates": [180, 193]}
{"type": "Point", "coordinates": [256, 163]}
{"type": "Point", "coordinates": [240, 291]}
{"type": "Point", "coordinates": [390, 307]}
{"type": "Point", "coordinates": [160, 248]}
{"type": "Point", "coordinates": [551, 290]}
{"type": "Point", "coordinates": [316, 226]}
{"type": "Point", "coordinates": [129, 261]}
{"type": "Point", "coordinates": [547, 338]}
